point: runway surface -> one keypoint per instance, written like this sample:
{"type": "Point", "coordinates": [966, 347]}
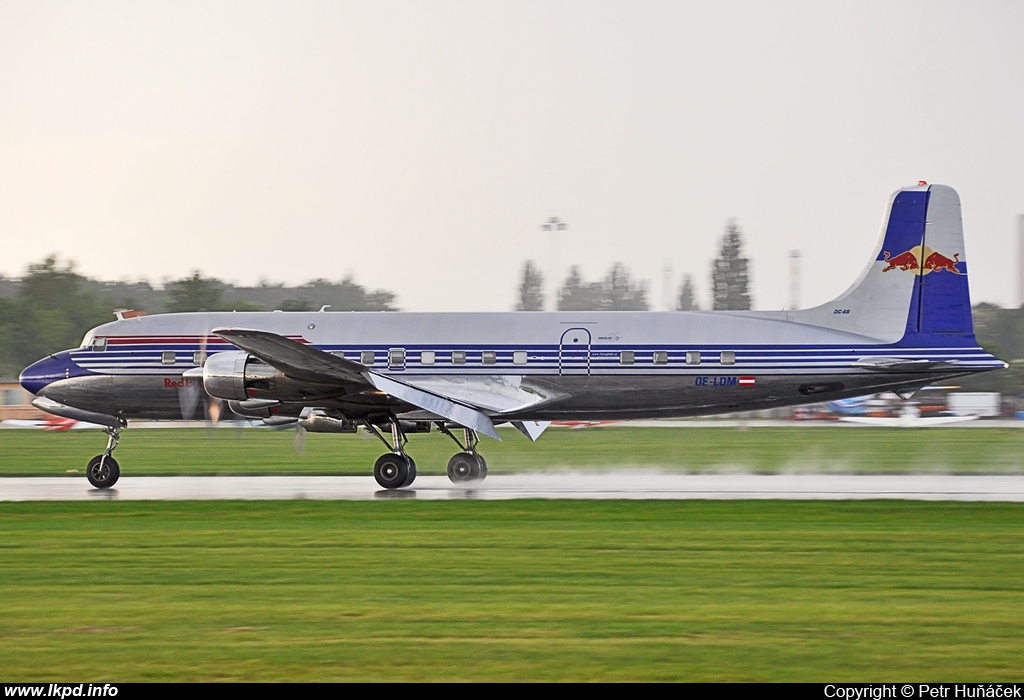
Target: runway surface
{"type": "Point", "coordinates": [565, 485]}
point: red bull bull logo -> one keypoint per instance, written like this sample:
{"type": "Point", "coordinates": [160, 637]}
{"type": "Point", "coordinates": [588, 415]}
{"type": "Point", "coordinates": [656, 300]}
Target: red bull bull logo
{"type": "Point", "coordinates": [938, 261]}
{"type": "Point", "coordinates": [924, 259]}
{"type": "Point", "coordinates": [904, 261]}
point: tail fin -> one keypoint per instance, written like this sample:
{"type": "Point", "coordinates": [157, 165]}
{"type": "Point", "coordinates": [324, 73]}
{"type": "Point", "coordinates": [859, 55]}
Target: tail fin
{"type": "Point", "coordinates": [915, 288]}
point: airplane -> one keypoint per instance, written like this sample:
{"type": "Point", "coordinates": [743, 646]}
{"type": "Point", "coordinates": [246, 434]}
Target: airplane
{"type": "Point", "coordinates": [903, 324]}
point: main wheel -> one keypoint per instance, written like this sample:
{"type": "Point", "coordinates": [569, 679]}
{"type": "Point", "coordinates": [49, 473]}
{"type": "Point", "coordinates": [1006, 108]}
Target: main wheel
{"type": "Point", "coordinates": [412, 472]}
{"type": "Point", "coordinates": [103, 473]}
{"type": "Point", "coordinates": [391, 470]}
{"type": "Point", "coordinates": [483, 466]}
{"type": "Point", "coordinates": [463, 467]}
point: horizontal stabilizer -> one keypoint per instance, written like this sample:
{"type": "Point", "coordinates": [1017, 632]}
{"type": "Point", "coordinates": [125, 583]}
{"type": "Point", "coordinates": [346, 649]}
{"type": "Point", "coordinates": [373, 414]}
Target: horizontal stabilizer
{"type": "Point", "coordinates": [901, 364]}
{"type": "Point", "coordinates": [438, 405]}
{"type": "Point", "coordinates": [294, 359]}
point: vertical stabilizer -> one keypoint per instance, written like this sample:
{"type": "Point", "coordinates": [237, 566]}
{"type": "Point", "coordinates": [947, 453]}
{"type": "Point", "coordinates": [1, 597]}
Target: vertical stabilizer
{"type": "Point", "coordinates": [915, 287]}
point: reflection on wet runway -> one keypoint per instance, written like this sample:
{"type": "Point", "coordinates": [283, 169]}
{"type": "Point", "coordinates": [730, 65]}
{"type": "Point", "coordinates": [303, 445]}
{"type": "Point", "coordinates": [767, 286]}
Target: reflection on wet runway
{"type": "Point", "coordinates": [574, 485]}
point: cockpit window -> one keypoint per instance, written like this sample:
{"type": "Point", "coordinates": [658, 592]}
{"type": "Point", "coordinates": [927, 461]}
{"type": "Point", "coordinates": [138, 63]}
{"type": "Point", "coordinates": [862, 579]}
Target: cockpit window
{"type": "Point", "coordinates": [99, 345]}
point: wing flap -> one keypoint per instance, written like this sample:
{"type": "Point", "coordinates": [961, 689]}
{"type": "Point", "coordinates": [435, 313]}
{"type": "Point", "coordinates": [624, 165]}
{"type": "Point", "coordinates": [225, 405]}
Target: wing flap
{"type": "Point", "coordinates": [438, 405]}
{"type": "Point", "coordinates": [531, 428]}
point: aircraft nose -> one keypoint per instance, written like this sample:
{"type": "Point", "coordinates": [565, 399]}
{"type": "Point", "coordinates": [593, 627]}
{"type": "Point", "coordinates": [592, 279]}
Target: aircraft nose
{"type": "Point", "coordinates": [36, 377]}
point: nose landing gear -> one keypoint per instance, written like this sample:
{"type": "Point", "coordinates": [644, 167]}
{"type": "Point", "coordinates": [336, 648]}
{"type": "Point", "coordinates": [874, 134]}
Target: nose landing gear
{"type": "Point", "coordinates": [103, 470]}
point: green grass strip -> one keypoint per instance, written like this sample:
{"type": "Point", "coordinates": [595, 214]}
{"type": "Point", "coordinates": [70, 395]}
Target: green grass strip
{"type": "Point", "coordinates": [523, 590]}
{"type": "Point", "coordinates": [704, 449]}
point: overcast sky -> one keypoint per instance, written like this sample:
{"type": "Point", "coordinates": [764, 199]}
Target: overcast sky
{"type": "Point", "coordinates": [419, 146]}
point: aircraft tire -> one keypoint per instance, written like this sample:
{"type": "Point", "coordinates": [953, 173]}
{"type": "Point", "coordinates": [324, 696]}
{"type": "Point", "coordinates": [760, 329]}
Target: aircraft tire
{"type": "Point", "coordinates": [391, 470]}
{"type": "Point", "coordinates": [105, 476]}
{"type": "Point", "coordinates": [412, 472]}
{"type": "Point", "coordinates": [483, 466]}
{"type": "Point", "coordinates": [463, 467]}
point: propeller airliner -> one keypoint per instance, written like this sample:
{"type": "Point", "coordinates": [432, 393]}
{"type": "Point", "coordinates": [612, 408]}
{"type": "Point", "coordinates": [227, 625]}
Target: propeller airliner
{"type": "Point", "coordinates": [905, 323]}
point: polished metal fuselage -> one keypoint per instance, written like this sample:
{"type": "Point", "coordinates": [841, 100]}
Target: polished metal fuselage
{"type": "Point", "coordinates": [513, 366]}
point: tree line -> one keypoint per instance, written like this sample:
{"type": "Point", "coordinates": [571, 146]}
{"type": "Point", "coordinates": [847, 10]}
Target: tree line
{"type": "Point", "coordinates": [52, 306]}
{"type": "Point", "coordinates": [730, 285]}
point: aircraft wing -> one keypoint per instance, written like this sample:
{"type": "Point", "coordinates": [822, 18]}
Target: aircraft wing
{"type": "Point", "coordinates": [306, 363]}
{"type": "Point", "coordinates": [295, 359]}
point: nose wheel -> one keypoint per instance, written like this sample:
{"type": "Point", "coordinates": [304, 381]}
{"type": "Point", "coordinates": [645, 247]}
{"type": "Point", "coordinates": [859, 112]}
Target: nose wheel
{"type": "Point", "coordinates": [103, 471]}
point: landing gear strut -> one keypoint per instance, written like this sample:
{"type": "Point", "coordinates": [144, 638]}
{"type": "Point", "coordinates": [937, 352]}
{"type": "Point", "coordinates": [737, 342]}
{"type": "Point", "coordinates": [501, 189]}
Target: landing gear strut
{"type": "Point", "coordinates": [468, 465]}
{"type": "Point", "coordinates": [103, 470]}
{"type": "Point", "coordinates": [395, 469]}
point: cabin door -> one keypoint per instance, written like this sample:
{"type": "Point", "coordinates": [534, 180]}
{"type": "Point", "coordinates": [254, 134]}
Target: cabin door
{"type": "Point", "coordinates": [574, 352]}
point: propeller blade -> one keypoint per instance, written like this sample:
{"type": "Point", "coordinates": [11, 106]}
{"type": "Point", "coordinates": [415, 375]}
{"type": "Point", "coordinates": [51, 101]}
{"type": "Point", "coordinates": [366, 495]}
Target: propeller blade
{"type": "Point", "coordinates": [213, 410]}
{"type": "Point", "coordinates": [190, 395]}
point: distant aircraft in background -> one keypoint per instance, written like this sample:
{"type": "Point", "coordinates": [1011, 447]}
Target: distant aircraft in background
{"type": "Point", "coordinates": [885, 410]}
{"type": "Point", "coordinates": [904, 323]}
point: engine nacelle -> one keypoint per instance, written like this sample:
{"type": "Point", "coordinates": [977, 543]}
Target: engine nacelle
{"type": "Point", "coordinates": [235, 375]}
{"type": "Point", "coordinates": [224, 375]}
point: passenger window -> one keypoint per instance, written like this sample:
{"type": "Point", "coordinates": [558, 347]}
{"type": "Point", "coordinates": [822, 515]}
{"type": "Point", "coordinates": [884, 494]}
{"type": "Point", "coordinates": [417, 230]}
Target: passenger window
{"type": "Point", "coordinates": [488, 357]}
{"type": "Point", "coordinates": [99, 345]}
{"type": "Point", "coordinates": [396, 357]}
{"type": "Point", "coordinates": [693, 357]}
{"type": "Point", "coordinates": [728, 357]}
{"type": "Point", "coordinates": [366, 357]}
{"type": "Point", "coordinates": [627, 357]}
{"type": "Point", "coordinates": [427, 357]}
{"type": "Point", "coordinates": [458, 357]}
{"type": "Point", "coordinates": [661, 357]}
{"type": "Point", "coordinates": [198, 358]}
{"type": "Point", "coordinates": [167, 357]}
{"type": "Point", "coordinates": [519, 357]}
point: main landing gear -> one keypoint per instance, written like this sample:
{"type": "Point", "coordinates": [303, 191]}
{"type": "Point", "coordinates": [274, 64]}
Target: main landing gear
{"type": "Point", "coordinates": [103, 470]}
{"type": "Point", "coordinates": [397, 469]}
{"type": "Point", "coordinates": [468, 465]}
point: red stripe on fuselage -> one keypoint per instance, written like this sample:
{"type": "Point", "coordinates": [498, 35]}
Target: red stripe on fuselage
{"type": "Point", "coordinates": [179, 340]}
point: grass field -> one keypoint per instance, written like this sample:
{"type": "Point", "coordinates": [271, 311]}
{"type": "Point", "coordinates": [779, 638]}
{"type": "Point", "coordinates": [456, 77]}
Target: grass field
{"type": "Point", "coordinates": [521, 590]}
{"type": "Point", "coordinates": [704, 449]}
{"type": "Point", "coordinates": [526, 590]}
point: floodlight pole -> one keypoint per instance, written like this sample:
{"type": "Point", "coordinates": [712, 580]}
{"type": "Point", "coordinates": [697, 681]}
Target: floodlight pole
{"type": "Point", "coordinates": [554, 225]}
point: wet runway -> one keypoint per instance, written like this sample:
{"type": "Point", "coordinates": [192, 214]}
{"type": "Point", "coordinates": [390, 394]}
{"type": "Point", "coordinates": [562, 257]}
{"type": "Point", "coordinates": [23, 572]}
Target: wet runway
{"type": "Point", "coordinates": [564, 485]}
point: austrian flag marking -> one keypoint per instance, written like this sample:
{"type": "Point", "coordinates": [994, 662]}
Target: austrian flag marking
{"type": "Point", "coordinates": [746, 381]}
